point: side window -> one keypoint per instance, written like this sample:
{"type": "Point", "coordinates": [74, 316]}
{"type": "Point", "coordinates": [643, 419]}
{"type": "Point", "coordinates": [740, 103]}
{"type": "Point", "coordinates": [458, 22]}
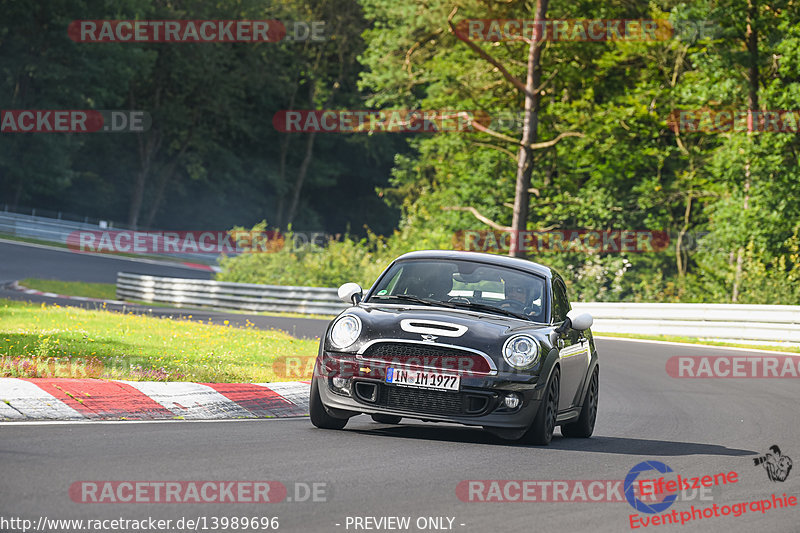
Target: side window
{"type": "Point", "coordinates": [560, 302]}
{"type": "Point", "coordinates": [393, 282]}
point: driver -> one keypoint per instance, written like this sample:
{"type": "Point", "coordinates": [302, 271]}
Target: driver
{"type": "Point", "coordinates": [516, 291]}
{"type": "Point", "coordinates": [527, 295]}
{"type": "Point", "coordinates": [440, 285]}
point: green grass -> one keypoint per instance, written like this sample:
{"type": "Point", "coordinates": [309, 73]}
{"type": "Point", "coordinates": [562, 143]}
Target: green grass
{"type": "Point", "coordinates": [692, 340]}
{"type": "Point", "coordinates": [53, 341]}
{"type": "Point", "coordinates": [104, 291]}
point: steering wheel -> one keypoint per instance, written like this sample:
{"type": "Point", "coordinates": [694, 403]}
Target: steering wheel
{"type": "Point", "coordinates": [460, 299]}
{"type": "Point", "coordinates": [513, 305]}
{"type": "Point", "coordinates": [533, 310]}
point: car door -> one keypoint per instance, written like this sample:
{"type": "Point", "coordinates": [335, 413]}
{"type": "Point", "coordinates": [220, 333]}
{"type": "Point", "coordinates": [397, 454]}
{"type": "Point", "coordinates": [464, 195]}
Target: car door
{"type": "Point", "coordinates": [573, 349]}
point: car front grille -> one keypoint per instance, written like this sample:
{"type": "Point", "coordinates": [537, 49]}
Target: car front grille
{"type": "Point", "coordinates": [427, 355]}
{"type": "Point", "coordinates": [422, 400]}
{"type": "Point", "coordinates": [433, 402]}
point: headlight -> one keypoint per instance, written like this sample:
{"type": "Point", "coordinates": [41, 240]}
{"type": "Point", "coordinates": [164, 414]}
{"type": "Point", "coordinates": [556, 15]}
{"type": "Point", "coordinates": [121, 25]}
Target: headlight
{"type": "Point", "coordinates": [345, 331]}
{"type": "Point", "coordinates": [521, 351]}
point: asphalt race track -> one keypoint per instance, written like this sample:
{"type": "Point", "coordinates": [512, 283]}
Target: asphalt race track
{"type": "Point", "coordinates": [22, 260]}
{"type": "Point", "coordinates": [695, 426]}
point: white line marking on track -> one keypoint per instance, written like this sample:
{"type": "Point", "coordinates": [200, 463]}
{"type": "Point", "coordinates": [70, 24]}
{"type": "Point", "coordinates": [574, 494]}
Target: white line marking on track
{"type": "Point", "coordinates": [127, 422]}
{"type": "Point", "coordinates": [692, 345]}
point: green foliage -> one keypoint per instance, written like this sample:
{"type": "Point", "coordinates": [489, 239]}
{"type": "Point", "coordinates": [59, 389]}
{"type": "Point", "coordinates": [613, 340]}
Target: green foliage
{"type": "Point", "coordinates": [217, 159]}
{"type": "Point", "coordinates": [340, 261]}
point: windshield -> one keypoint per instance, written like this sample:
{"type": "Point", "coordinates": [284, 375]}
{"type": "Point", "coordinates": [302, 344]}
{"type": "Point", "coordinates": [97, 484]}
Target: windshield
{"type": "Point", "coordinates": [464, 284]}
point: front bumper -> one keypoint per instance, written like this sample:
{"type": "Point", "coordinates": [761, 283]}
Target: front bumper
{"type": "Point", "coordinates": [479, 402]}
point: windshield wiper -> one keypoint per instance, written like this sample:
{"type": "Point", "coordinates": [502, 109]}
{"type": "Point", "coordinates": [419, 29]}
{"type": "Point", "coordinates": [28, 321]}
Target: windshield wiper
{"type": "Point", "coordinates": [414, 299]}
{"type": "Point", "coordinates": [491, 309]}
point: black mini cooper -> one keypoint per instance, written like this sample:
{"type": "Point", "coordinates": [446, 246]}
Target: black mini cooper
{"type": "Point", "coordinates": [472, 338]}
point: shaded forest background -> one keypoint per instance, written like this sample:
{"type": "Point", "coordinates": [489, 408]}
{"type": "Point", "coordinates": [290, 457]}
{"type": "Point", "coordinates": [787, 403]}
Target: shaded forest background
{"type": "Point", "coordinates": [213, 159]}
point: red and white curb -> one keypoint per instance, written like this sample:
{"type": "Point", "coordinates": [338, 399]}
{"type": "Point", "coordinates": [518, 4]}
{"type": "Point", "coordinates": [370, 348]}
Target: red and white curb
{"type": "Point", "coordinates": [95, 399]}
{"type": "Point", "coordinates": [201, 266]}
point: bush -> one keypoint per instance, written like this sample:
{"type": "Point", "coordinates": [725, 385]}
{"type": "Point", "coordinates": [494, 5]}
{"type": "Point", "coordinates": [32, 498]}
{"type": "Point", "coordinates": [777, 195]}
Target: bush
{"type": "Point", "coordinates": [339, 261]}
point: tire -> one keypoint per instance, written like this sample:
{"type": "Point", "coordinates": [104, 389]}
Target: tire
{"type": "Point", "coordinates": [584, 426]}
{"type": "Point", "coordinates": [544, 423]}
{"type": "Point", "coordinates": [386, 419]}
{"type": "Point", "coordinates": [319, 416]}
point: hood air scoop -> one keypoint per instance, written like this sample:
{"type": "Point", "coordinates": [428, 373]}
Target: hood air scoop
{"type": "Point", "coordinates": [432, 327]}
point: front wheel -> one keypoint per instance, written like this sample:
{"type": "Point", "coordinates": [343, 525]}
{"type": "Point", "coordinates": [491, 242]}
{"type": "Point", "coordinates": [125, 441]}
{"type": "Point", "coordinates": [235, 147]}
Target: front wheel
{"type": "Point", "coordinates": [584, 426]}
{"type": "Point", "coordinates": [544, 423]}
{"type": "Point", "coordinates": [319, 416]}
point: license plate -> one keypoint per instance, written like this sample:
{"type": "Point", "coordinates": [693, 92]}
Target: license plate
{"type": "Point", "coordinates": [422, 379]}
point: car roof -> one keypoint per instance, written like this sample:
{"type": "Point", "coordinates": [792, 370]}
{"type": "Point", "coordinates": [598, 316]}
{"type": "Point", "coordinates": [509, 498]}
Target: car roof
{"type": "Point", "coordinates": [480, 257]}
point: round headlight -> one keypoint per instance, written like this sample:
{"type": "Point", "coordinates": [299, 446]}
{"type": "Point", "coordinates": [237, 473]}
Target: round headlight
{"type": "Point", "coordinates": [345, 331]}
{"type": "Point", "coordinates": [521, 351]}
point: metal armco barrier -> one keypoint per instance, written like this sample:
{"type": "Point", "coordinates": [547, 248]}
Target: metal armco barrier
{"type": "Point", "coordinates": [58, 230]}
{"type": "Point", "coordinates": [761, 323]}
{"type": "Point", "coordinates": [754, 323]}
{"type": "Point", "coordinates": [227, 295]}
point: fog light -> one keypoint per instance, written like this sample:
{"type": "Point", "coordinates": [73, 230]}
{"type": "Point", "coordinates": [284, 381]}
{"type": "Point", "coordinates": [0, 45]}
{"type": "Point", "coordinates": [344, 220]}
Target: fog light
{"type": "Point", "coordinates": [340, 383]}
{"type": "Point", "coordinates": [512, 401]}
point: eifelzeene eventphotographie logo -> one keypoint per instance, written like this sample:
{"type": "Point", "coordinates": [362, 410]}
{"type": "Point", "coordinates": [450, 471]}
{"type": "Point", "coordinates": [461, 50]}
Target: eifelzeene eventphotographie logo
{"type": "Point", "coordinates": [776, 464]}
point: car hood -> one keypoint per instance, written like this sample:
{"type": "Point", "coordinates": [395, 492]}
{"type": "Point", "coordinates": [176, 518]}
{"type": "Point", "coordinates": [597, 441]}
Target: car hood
{"type": "Point", "coordinates": [475, 330]}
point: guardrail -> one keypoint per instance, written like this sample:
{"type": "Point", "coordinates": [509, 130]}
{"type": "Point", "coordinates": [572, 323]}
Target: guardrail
{"type": "Point", "coordinates": [765, 324]}
{"type": "Point", "coordinates": [42, 228]}
{"type": "Point", "coordinates": [57, 230]}
{"type": "Point", "coordinates": [227, 295]}
{"type": "Point", "coordinates": [761, 324]}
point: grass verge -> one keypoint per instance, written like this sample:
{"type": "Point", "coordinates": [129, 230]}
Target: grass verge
{"type": "Point", "coordinates": [104, 291]}
{"type": "Point", "coordinates": [54, 341]}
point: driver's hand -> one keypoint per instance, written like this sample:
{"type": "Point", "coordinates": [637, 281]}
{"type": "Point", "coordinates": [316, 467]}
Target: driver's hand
{"type": "Point", "coordinates": [532, 310]}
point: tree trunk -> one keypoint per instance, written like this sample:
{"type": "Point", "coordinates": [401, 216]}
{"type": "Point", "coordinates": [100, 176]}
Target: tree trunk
{"type": "Point", "coordinates": [303, 170]}
{"type": "Point", "coordinates": [682, 258]}
{"type": "Point", "coordinates": [161, 184]}
{"type": "Point", "coordinates": [147, 151]}
{"type": "Point", "coordinates": [751, 41]}
{"type": "Point", "coordinates": [301, 177]}
{"type": "Point", "coordinates": [529, 136]}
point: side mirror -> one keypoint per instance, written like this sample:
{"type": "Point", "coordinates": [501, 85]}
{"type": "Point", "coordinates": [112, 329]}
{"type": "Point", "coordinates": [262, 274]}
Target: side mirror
{"type": "Point", "coordinates": [350, 293]}
{"type": "Point", "coordinates": [580, 321]}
